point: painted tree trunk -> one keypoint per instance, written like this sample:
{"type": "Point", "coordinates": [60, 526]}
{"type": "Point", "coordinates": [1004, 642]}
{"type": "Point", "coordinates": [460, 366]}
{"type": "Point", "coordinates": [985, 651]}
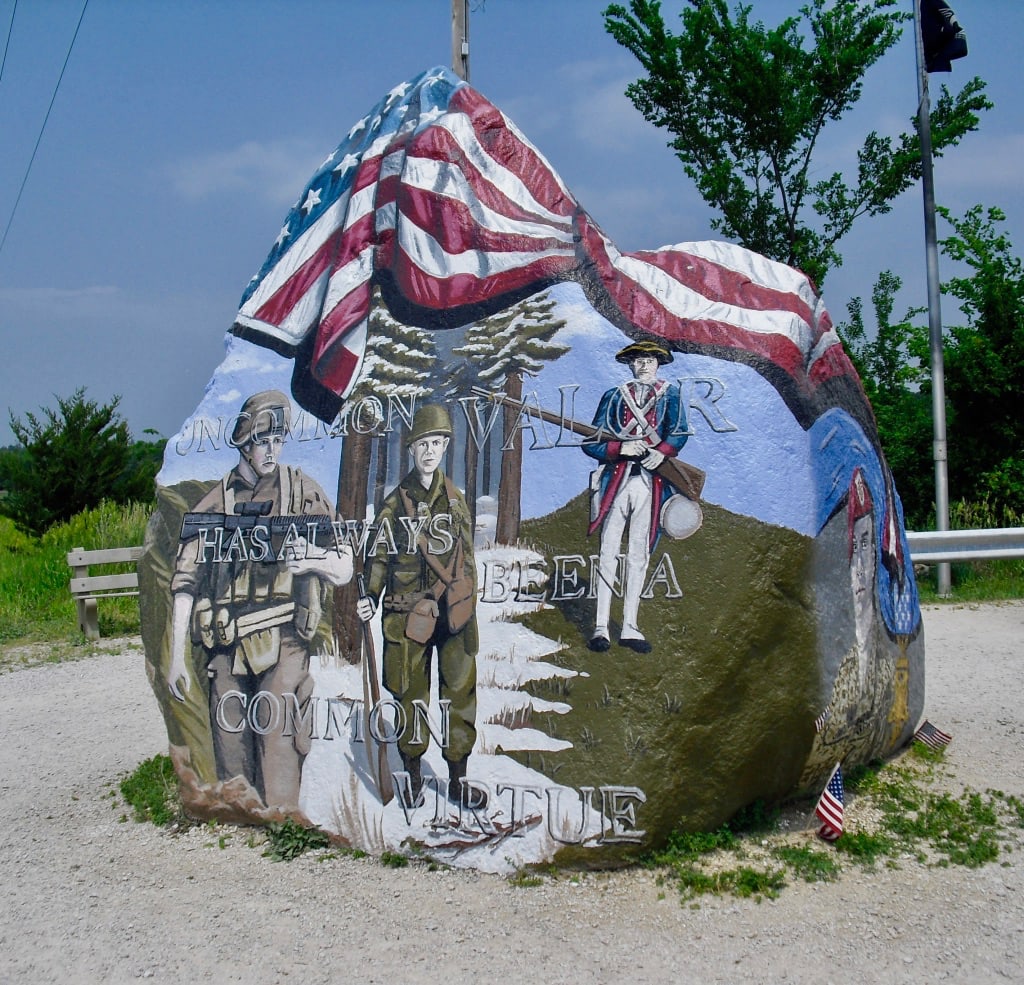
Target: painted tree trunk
{"type": "Point", "coordinates": [352, 498]}
{"type": "Point", "coordinates": [511, 480]}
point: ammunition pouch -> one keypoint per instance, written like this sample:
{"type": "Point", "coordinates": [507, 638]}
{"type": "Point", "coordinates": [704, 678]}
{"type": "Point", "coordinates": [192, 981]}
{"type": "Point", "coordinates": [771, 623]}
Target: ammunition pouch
{"type": "Point", "coordinates": [460, 598]}
{"type": "Point", "coordinates": [308, 607]}
{"type": "Point", "coordinates": [422, 620]}
{"type": "Point", "coordinates": [259, 651]}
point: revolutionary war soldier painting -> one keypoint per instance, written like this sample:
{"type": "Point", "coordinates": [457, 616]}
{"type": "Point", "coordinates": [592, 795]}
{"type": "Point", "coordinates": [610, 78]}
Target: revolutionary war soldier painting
{"type": "Point", "coordinates": [644, 423]}
{"type": "Point", "coordinates": [494, 542]}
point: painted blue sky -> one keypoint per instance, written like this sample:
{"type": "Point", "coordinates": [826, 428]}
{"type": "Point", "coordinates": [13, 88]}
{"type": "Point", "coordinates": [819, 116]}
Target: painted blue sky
{"type": "Point", "coordinates": [183, 132]}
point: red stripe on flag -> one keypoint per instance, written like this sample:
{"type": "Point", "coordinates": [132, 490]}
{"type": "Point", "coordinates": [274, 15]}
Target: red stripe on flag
{"type": "Point", "coordinates": [456, 229]}
{"type": "Point", "coordinates": [280, 304]}
{"type": "Point", "coordinates": [641, 308]}
{"type": "Point", "coordinates": [333, 363]}
{"type": "Point", "coordinates": [461, 289]}
{"type": "Point", "coordinates": [712, 280]}
{"type": "Point", "coordinates": [503, 145]}
{"type": "Point", "coordinates": [438, 144]}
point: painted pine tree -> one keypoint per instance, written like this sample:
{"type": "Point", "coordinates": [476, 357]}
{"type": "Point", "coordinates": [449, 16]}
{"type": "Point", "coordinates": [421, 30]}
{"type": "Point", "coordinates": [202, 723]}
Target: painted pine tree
{"type": "Point", "coordinates": [397, 371]}
{"type": "Point", "coordinates": [504, 348]}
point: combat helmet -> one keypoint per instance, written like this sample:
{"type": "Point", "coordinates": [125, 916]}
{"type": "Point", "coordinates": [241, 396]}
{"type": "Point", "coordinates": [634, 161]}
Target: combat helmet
{"type": "Point", "coordinates": [265, 413]}
{"type": "Point", "coordinates": [430, 419]}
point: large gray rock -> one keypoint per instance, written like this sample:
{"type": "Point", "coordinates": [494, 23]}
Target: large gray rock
{"type": "Point", "coordinates": [438, 305]}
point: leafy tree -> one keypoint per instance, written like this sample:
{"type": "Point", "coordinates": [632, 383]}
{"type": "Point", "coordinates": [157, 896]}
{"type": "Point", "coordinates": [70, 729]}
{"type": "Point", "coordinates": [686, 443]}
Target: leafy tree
{"type": "Point", "coordinates": [747, 106]}
{"type": "Point", "coordinates": [984, 362]}
{"type": "Point", "coordinates": [893, 366]}
{"type": "Point", "coordinates": [72, 458]}
{"type": "Point", "coordinates": [136, 484]}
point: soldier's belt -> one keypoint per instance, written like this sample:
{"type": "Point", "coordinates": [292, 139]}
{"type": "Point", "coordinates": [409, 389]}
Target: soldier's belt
{"type": "Point", "coordinates": [254, 622]}
{"type": "Point", "coordinates": [406, 602]}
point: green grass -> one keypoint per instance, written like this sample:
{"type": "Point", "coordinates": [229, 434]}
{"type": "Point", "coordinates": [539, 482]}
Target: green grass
{"type": "Point", "coordinates": [907, 816]}
{"type": "Point", "coordinates": [980, 581]}
{"type": "Point", "coordinates": [524, 878]}
{"type": "Point", "coordinates": [809, 864]}
{"type": "Point", "coordinates": [35, 604]}
{"type": "Point", "coordinates": [394, 860]}
{"type": "Point", "coordinates": [151, 790]}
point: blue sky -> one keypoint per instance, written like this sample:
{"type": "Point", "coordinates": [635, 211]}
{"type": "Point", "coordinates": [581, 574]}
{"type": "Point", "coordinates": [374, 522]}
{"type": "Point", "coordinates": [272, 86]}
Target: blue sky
{"type": "Point", "coordinates": [183, 132]}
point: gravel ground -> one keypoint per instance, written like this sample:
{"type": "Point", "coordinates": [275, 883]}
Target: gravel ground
{"type": "Point", "coordinates": [88, 898]}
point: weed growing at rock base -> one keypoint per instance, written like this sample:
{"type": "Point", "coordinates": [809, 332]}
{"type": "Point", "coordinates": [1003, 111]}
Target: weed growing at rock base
{"type": "Point", "coordinates": [152, 791]}
{"type": "Point", "coordinates": [288, 839]}
{"type": "Point", "coordinates": [394, 860]}
{"type": "Point", "coordinates": [895, 814]}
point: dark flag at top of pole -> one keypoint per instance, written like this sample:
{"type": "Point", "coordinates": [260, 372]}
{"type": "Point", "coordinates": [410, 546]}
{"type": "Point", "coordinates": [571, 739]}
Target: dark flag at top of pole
{"type": "Point", "coordinates": [943, 37]}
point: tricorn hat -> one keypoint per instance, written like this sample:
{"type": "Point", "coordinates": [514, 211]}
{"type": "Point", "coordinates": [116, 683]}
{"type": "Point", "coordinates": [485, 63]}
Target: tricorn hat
{"type": "Point", "coordinates": [645, 347]}
{"type": "Point", "coordinates": [264, 413]}
{"type": "Point", "coordinates": [430, 419]}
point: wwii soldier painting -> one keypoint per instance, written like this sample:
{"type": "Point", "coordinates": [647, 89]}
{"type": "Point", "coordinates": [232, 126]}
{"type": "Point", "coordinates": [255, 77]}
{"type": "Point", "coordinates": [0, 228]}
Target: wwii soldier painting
{"type": "Point", "coordinates": [424, 580]}
{"type": "Point", "coordinates": [648, 425]}
{"type": "Point", "coordinates": [251, 604]}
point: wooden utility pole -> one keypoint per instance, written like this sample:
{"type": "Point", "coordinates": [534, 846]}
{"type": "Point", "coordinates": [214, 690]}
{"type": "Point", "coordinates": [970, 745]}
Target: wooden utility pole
{"type": "Point", "coordinates": [460, 39]}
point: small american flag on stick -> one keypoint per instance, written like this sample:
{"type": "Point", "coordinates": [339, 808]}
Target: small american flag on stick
{"type": "Point", "coordinates": [830, 807]}
{"type": "Point", "coordinates": [933, 737]}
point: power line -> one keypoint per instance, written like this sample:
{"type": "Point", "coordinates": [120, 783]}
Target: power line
{"type": "Point", "coordinates": [7, 43]}
{"type": "Point", "coordinates": [39, 139]}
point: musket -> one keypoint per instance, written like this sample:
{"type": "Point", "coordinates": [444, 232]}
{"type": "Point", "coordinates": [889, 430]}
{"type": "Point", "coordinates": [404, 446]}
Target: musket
{"type": "Point", "coordinates": [683, 477]}
{"type": "Point", "coordinates": [376, 752]}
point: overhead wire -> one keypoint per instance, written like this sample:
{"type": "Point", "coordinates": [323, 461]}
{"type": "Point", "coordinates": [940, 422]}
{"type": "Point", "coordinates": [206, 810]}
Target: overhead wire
{"type": "Point", "coordinates": [53, 99]}
{"type": "Point", "coordinates": [7, 43]}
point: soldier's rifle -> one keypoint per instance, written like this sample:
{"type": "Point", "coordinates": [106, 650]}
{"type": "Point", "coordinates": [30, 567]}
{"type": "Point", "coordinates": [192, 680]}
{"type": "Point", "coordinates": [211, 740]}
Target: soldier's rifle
{"type": "Point", "coordinates": [317, 528]}
{"type": "Point", "coordinates": [376, 752]}
{"type": "Point", "coordinates": [683, 477]}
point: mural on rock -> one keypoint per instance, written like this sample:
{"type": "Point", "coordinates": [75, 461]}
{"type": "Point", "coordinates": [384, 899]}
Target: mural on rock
{"type": "Point", "coordinates": [490, 539]}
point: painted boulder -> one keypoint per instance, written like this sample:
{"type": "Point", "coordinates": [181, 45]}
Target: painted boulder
{"type": "Point", "coordinates": [493, 540]}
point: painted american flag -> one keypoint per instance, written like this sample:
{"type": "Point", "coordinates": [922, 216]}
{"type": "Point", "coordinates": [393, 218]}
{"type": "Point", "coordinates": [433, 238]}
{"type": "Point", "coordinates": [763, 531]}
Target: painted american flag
{"type": "Point", "coordinates": [830, 808]}
{"type": "Point", "coordinates": [438, 198]}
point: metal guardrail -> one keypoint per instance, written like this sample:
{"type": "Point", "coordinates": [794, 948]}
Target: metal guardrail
{"type": "Point", "coordinates": [937, 546]}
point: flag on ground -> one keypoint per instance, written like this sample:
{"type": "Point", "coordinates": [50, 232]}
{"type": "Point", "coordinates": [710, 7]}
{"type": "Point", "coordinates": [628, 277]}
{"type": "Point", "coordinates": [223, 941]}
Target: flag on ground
{"type": "Point", "coordinates": [830, 807]}
{"type": "Point", "coordinates": [932, 736]}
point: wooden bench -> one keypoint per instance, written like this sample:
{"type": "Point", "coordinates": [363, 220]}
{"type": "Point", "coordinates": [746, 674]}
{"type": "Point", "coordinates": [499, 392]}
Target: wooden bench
{"type": "Point", "coordinates": [86, 589]}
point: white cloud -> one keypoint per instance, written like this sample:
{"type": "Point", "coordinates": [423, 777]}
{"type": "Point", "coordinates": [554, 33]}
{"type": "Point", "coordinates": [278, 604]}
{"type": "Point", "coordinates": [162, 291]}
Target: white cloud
{"type": "Point", "coordinates": [271, 171]}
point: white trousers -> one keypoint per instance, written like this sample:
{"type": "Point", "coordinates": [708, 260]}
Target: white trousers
{"type": "Point", "coordinates": [631, 506]}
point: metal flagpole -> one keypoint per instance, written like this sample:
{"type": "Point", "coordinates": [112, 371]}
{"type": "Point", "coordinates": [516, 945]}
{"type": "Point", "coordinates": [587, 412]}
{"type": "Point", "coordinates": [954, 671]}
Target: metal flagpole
{"type": "Point", "coordinates": [934, 312]}
{"type": "Point", "coordinates": [460, 38]}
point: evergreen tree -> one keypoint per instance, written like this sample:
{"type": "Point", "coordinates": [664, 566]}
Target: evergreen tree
{"type": "Point", "coordinates": [505, 347]}
{"type": "Point", "coordinates": [399, 361]}
{"type": "Point", "coordinates": [72, 458]}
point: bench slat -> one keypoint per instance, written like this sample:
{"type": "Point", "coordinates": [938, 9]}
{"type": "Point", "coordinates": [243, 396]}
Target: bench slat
{"type": "Point", "coordinates": [103, 583]}
{"type": "Point", "coordinates": [77, 558]}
